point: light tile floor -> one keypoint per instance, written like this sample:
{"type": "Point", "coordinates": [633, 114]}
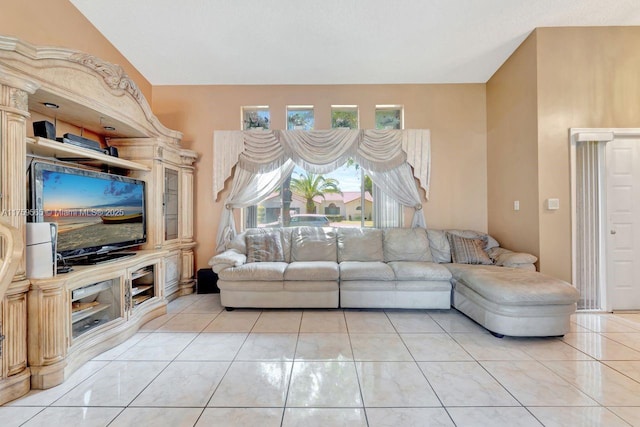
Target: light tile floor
{"type": "Point", "coordinates": [199, 365]}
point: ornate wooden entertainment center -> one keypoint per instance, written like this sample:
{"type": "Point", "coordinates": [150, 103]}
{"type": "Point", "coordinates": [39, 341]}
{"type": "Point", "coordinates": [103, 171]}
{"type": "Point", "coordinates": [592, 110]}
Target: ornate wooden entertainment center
{"type": "Point", "coordinates": [51, 326]}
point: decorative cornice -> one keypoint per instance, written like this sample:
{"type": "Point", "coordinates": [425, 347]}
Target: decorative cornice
{"type": "Point", "coordinates": [114, 75]}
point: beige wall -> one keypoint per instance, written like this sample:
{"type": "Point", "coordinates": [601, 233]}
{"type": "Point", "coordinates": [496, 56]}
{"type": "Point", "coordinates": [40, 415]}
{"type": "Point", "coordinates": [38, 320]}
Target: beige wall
{"type": "Point", "coordinates": [59, 23]}
{"type": "Point", "coordinates": [585, 77]}
{"type": "Point", "coordinates": [454, 113]}
{"type": "Point", "coordinates": [512, 150]}
{"type": "Point", "coordinates": [492, 144]}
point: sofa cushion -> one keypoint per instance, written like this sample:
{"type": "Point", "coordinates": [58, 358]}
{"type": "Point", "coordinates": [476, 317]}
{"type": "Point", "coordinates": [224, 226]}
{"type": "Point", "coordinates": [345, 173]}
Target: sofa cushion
{"type": "Point", "coordinates": [251, 286]}
{"type": "Point", "coordinates": [439, 244]}
{"type": "Point", "coordinates": [418, 270]}
{"type": "Point", "coordinates": [406, 244]}
{"type": "Point", "coordinates": [365, 270]}
{"type": "Point", "coordinates": [310, 285]}
{"type": "Point", "coordinates": [255, 271]}
{"type": "Point", "coordinates": [239, 243]}
{"type": "Point", "coordinates": [367, 285]}
{"type": "Point", "coordinates": [468, 251]}
{"type": "Point", "coordinates": [512, 286]}
{"type": "Point", "coordinates": [313, 244]}
{"type": "Point", "coordinates": [360, 244]}
{"type": "Point", "coordinates": [312, 270]}
{"type": "Point", "coordinates": [264, 247]}
{"type": "Point", "coordinates": [424, 286]}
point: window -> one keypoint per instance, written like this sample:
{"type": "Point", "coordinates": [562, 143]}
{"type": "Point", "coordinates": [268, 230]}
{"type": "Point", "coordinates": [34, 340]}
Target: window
{"type": "Point", "coordinates": [255, 117]}
{"type": "Point", "coordinates": [345, 197]}
{"type": "Point", "coordinates": [331, 199]}
{"type": "Point", "coordinates": [300, 117]}
{"type": "Point", "coordinates": [389, 117]}
{"type": "Point", "coordinates": [344, 116]}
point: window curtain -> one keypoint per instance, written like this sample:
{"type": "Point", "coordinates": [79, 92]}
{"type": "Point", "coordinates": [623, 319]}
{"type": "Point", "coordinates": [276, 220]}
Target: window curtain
{"type": "Point", "coordinates": [398, 183]}
{"type": "Point", "coordinates": [386, 211]}
{"type": "Point", "coordinates": [264, 159]}
{"type": "Point", "coordinates": [248, 189]}
{"type": "Point", "coordinates": [321, 151]}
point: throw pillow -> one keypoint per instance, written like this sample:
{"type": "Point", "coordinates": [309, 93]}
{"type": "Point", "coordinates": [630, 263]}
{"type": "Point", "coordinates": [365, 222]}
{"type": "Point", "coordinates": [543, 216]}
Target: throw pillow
{"type": "Point", "coordinates": [468, 251]}
{"type": "Point", "coordinates": [264, 248]}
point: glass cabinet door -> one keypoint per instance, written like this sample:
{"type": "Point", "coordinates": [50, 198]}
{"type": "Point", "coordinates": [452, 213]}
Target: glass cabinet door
{"type": "Point", "coordinates": [170, 204]}
{"type": "Point", "coordinates": [94, 305]}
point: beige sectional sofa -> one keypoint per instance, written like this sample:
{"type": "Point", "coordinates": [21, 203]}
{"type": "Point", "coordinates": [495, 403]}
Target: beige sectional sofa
{"type": "Point", "coordinates": [412, 268]}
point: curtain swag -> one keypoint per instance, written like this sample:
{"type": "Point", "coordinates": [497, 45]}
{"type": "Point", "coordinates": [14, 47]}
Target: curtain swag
{"type": "Point", "coordinates": [265, 158]}
{"type": "Point", "coordinates": [321, 151]}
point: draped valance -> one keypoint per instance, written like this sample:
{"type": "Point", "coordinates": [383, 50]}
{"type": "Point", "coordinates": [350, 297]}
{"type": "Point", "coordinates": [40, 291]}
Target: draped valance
{"type": "Point", "coordinates": [320, 151]}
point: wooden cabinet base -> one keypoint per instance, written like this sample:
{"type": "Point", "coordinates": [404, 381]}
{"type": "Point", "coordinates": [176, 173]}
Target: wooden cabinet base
{"type": "Point", "coordinates": [15, 386]}
{"type": "Point", "coordinates": [57, 348]}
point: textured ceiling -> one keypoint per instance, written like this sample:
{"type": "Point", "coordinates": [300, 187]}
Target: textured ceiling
{"type": "Point", "coordinates": [191, 42]}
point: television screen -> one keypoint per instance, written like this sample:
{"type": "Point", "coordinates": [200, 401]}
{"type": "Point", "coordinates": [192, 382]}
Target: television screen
{"type": "Point", "coordinates": [95, 212]}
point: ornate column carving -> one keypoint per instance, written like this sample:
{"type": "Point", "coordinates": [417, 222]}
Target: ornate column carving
{"type": "Point", "coordinates": [13, 133]}
{"type": "Point", "coordinates": [187, 158]}
{"type": "Point", "coordinates": [14, 97]}
{"type": "Point", "coordinates": [14, 313]}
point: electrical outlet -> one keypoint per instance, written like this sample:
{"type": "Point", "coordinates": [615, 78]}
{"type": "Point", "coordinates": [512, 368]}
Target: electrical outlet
{"type": "Point", "coordinates": [553, 204]}
{"type": "Point", "coordinates": [516, 205]}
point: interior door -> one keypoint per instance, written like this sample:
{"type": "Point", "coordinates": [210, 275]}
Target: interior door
{"type": "Point", "coordinates": [623, 224]}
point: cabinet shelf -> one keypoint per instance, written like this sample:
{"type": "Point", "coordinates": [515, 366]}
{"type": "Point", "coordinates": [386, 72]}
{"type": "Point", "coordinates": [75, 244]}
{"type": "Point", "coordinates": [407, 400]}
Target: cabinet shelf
{"type": "Point", "coordinates": [140, 289]}
{"type": "Point", "coordinates": [141, 273]}
{"type": "Point", "coordinates": [139, 299]}
{"type": "Point", "coordinates": [83, 314]}
{"type": "Point", "coordinates": [87, 291]}
{"type": "Point", "coordinates": [49, 148]}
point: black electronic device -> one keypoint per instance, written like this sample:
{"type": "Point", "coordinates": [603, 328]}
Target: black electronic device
{"type": "Point", "coordinates": [112, 151]}
{"type": "Point", "coordinates": [44, 129]}
{"type": "Point", "coordinates": [207, 282]}
{"type": "Point", "coordinates": [79, 141]}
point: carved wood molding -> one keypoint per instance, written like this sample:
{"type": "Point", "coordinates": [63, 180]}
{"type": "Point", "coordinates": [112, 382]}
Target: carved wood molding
{"type": "Point", "coordinates": [114, 75]}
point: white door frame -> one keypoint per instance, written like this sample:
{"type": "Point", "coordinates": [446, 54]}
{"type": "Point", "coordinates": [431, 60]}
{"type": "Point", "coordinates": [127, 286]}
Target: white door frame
{"type": "Point", "coordinates": [603, 135]}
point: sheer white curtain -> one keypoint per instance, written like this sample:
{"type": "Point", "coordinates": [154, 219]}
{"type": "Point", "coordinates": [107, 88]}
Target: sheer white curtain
{"type": "Point", "coordinates": [399, 184]}
{"type": "Point", "coordinates": [387, 212]}
{"type": "Point", "coordinates": [248, 189]}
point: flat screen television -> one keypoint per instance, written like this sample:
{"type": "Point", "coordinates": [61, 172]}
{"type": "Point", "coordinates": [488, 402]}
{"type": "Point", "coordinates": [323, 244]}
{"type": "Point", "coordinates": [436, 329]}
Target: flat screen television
{"type": "Point", "coordinates": [96, 213]}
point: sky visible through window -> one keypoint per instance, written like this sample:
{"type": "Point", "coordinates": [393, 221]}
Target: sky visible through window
{"type": "Point", "coordinates": [348, 177]}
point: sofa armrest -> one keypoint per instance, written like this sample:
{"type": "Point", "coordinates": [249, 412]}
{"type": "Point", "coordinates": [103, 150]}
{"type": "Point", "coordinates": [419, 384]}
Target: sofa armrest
{"type": "Point", "coordinates": [506, 258]}
{"type": "Point", "coordinates": [227, 259]}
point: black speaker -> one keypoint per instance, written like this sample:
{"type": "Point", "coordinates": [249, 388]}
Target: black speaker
{"type": "Point", "coordinates": [207, 282]}
{"type": "Point", "coordinates": [44, 129]}
{"type": "Point", "coordinates": [112, 151]}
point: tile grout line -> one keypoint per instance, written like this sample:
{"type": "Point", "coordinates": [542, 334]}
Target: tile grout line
{"type": "Point", "coordinates": [355, 367]}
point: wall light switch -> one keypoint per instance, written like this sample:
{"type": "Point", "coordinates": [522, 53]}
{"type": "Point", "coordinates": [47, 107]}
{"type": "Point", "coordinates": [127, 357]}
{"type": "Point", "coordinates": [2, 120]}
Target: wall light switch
{"type": "Point", "coordinates": [553, 204]}
{"type": "Point", "coordinates": [516, 205]}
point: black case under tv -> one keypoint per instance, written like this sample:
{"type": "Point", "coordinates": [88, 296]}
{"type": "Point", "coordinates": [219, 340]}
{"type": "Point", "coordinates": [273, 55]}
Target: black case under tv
{"type": "Point", "coordinates": [95, 259]}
